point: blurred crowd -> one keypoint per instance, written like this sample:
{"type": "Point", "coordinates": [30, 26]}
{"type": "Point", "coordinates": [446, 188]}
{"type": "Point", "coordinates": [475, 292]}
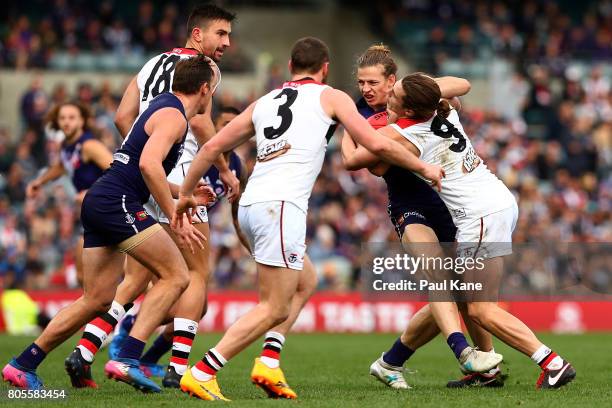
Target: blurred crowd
{"type": "Point", "coordinates": [33, 31]}
{"type": "Point", "coordinates": [547, 135]}
{"type": "Point", "coordinates": [531, 31]}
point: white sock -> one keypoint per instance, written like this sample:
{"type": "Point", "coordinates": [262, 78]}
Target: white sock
{"type": "Point", "coordinates": [273, 345]}
{"type": "Point", "coordinates": [184, 333]}
{"type": "Point", "coordinates": [541, 354]}
{"type": "Point", "coordinates": [200, 375]}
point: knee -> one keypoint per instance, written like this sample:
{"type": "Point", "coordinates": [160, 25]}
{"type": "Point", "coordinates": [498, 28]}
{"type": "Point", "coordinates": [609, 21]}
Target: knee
{"type": "Point", "coordinates": [476, 312]}
{"type": "Point", "coordinates": [277, 314]}
{"type": "Point", "coordinates": [181, 280]}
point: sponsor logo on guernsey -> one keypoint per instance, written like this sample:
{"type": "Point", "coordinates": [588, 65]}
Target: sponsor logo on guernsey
{"type": "Point", "coordinates": [459, 212]}
{"type": "Point", "coordinates": [121, 158]}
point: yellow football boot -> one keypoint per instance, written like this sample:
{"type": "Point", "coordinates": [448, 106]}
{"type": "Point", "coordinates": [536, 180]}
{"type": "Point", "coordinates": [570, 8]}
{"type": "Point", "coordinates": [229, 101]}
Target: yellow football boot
{"type": "Point", "coordinates": [271, 380]}
{"type": "Point", "coordinates": [206, 390]}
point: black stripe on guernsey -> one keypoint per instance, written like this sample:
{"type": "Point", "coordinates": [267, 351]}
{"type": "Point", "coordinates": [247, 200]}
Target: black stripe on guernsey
{"type": "Point", "coordinates": [184, 333]}
{"type": "Point", "coordinates": [109, 319]}
{"type": "Point", "coordinates": [180, 354]}
{"type": "Point", "coordinates": [214, 359]}
{"type": "Point", "coordinates": [93, 338]}
{"type": "Point", "coordinates": [330, 132]}
{"type": "Point", "coordinates": [273, 348]}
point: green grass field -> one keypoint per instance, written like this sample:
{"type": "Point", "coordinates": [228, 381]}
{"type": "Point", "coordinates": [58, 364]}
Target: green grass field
{"type": "Point", "coordinates": [332, 371]}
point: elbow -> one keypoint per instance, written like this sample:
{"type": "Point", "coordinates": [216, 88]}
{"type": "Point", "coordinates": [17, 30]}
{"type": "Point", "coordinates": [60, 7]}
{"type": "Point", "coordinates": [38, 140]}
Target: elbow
{"type": "Point", "coordinates": [380, 147]}
{"type": "Point", "coordinates": [145, 167]}
{"type": "Point", "coordinates": [467, 86]}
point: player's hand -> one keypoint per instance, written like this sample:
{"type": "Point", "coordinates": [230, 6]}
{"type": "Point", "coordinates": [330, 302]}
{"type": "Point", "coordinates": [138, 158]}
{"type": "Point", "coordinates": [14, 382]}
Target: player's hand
{"type": "Point", "coordinates": [33, 188]}
{"type": "Point", "coordinates": [186, 205]}
{"type": "Point", "coordinates": [78, 199]}
{"type": "Point", "coordinates": [187, 234]}
{"type": "Point", "coordinates": [204, 194]}
{"type": "Point", "coordinates": [232, 184]}
{"type": "Point", "coordinates": [434, 174]}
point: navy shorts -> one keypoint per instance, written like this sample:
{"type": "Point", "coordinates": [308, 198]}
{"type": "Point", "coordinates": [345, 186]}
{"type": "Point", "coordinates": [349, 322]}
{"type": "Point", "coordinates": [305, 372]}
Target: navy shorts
{"type": "Point", "coordinates": [109, 219]}
{"type": "Point", "coordinates": [436, 217]}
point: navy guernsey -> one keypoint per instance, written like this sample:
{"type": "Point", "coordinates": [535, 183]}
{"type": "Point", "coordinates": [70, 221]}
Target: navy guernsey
{"type": "Point", "coordinates": [411, 199]}
{"type": "Point", "coordinates": [124, 175]}
{"type": "Point", "coordinates": [112, 209]}
{"type": "Point", "coordinates": [82, 175]}
{"type": "Point", "coordinates": [212, 177]}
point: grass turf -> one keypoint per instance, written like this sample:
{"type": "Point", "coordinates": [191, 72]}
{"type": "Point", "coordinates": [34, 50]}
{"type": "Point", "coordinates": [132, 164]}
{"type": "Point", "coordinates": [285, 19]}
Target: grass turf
{"type": "Point", "coordinates": [331, 370]}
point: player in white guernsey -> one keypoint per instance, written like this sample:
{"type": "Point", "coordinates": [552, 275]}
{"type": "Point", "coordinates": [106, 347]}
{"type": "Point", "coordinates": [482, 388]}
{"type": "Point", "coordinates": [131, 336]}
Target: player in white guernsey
{"type": "Point", "coordinates": [209, 27]}
{"type": "Point", "coordinates": [483, 209]}
{"type": "Point", "coordinates": [292, 126]}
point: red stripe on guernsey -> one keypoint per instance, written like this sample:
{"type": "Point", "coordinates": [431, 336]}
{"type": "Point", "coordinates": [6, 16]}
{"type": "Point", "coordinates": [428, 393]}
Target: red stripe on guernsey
{"type": "Point", "coordinates": [404, 123]}
{"type": "Point", "coordinates": [178, 360]}
{"type": "Point", "coordinates": [203, 367]}
{"type": "Point", "coordinates": [88, 345]}
{"type": "Point", "coordinates": [183, 51]}
{"type": "Point", "coordinates": [281, 233]}
{"type": "Point", "coordinates": [548, 359]}
{"type": "Point", "coordinates": [270, 353]}
{"type": "Point", "coordinates": [102, 324]}
{"type": "Point", "coordinates": [183, 340]}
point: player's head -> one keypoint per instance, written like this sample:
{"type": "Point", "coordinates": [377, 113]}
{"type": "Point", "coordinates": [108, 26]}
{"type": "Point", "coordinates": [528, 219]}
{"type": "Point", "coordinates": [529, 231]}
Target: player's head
{"type": "Point", "coordinates": [209, 27]}
{"type": "Point", "coordinates": [195, 76]}
{"type": "Point", "coordinates": [309, 56]}
{"type": "Point", "coordinates": [69, 117]}
{"type": "Point", "coordinates": [376, 74]}
{"type": "Point", "coordinates": [417, 96]}
{"type": "Point", "coordinates": [225, 116]}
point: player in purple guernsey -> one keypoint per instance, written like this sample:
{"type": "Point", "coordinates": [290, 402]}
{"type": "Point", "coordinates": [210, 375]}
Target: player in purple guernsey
{"type": "Point", "coordinates": [82, 157]}
{"type": "Point", "coordinates": [418, 214]}
{"type": "Point", "coordinates": [115, 223]}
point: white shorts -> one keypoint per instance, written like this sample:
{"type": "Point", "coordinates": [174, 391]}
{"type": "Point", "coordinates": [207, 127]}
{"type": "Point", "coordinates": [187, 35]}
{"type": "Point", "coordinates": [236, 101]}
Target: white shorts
{"type": "Point", "coordinates": [276, 231]}
{"type": "Point", "coordinates": [489, 236]}
{"type": "Point", "coordinates": [176, 176]}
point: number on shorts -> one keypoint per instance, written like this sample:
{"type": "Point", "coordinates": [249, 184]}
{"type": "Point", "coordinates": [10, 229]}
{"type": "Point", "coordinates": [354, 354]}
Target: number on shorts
{"type": "Point", "coordinates": [167, 64]}
{"type": "Point", "coordinates": [450, 131]}
{"type": "Point", "coordinates": [284, 112]}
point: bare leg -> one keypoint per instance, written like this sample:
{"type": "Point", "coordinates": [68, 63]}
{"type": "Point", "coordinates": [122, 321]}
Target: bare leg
{"type": "Point", "coordinates": [161, 256]}
{"type": "Point", "coordinates": [277, 286]}
{"type": "Point", "coordinates": [103, 267]}
{"type": "Point", "coordinates": [78, 259]}
{"type": "Point", "coordinates": [307, 284]}
{"type": "Point", "coordinates": [500, 323]}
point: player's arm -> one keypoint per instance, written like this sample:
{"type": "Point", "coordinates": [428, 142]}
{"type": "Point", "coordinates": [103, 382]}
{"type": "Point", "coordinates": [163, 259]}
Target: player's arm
{"type": "Point", "coordinates": [203, 129]}
{"type": "Point", "coordinates": [128, 108]}
{"type": "Point", "coordinates": [387, 149]}
{"type": "Point", "coordinates": [95, 151]}
{"type": "Point", "coordinates": [233, 134]}
{"type": "Point", "coordinates": [241, 237]}
{"type": "Point", "coordinates": [356, 158]}
{"type": "Point", "coordinates": [165, 127]}
{"type": "Point", "coordinates": [451, 87]}
{"type": "Point", "coordinates": [53, 172]}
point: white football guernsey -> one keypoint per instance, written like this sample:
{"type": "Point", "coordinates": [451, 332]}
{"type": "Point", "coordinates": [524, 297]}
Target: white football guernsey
{"type": "Point", "coordinates": [469, 190]}
{"type": "Point", "coordinates": [156, 76]}
{"type": "Point", "coordinates": [292, 131]}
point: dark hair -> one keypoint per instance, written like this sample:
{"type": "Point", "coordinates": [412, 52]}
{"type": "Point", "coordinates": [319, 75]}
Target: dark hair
{"type": "Point", "coordinates": [52, 117]}
{"type": "Point", "coordinates": [378, 54]}
{"type": "Point", "coordinates": [191, 73]}
{"type": "Point", "coordinates": [229, 109]}
{"type": "Point", "coordinates": [422, 96]}
{"type": "Point", "coordinates": [202, 14]}
{"type": "Point", "coordinates": [308, 55]}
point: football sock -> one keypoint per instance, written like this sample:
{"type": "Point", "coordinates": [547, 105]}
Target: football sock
{"type": "Point", "coordinates": [160, 346]}
{"type": "Point", "coordinates": [98, 330]}
{"type": "Point", "coordinates": [131, 348]}
{"type": "Point", "coordinates": [31, 357]}
{"type": "Point", "coordinates": [547, 359]}
{"type": "Point", "coordinates": [273, 344]}
{"type": "Point", "coordinates": [398, 354]}
{"type": "Point", "coordinates": [457, 342]}
{"type": "Point", "coordinates": [184, 333]}
{"type": "Point", "coordinates": [206, 368]}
